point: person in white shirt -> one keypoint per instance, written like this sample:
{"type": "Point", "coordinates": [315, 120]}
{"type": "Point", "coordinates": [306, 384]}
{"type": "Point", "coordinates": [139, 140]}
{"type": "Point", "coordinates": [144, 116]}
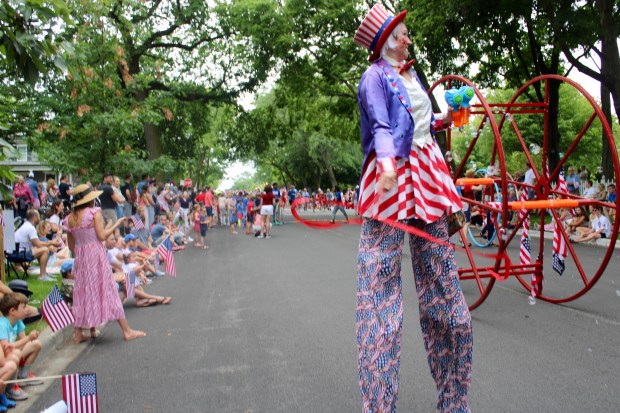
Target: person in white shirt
{"type": "Point", "coordinates": [590, 192]}
{"type": "Point", "coordinates": [529, 179]}
{"type": "Point", "coordinates": [601, 227]}
{"type": "Point", "coordinates": [28, 239]}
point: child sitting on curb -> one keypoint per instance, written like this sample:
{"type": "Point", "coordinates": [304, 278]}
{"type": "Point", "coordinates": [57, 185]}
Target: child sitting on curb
{"type": "Point", "coordinates": [12, 338]}
{"type": "Point", "coordinates": [8, 368]}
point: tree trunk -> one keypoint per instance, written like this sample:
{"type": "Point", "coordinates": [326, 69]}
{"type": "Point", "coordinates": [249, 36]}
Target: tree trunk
{"type": "Point", "coordinates": [553, 132]}
{"type": "Point", "coordinates": [610, 55]}
{"type": "Point", "coordinates": [610, 69]}
{"type": "Point", "coordinates": [330, 174]}
{"type": "Point", "coordinates": [607, 162]}
{"type": "Point", "coordinates": [153, 140]}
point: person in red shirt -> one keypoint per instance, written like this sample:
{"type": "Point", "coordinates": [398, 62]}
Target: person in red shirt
{"type": "Point", "coordinates": [249, 216]}
{"type": "Point", "coordinates": [209, 204]}
{"type": "Point", "coordinates": [200, 198]}
{"type": "Point", "coordinates": [266, 209]}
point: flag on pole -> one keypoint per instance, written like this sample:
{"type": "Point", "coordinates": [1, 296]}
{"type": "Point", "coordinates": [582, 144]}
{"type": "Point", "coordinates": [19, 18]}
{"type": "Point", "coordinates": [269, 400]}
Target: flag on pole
{"type": "Point", "coordinates": [560, 250]}
{"type": "Point", "coordinates": [56, 311]}
{"type": "Point", "coordinates": [130, 284]}
{"type": "Point", "coordinates": [137, 221]}
{"type": "Point", "coordinates": [79, 391]}
{"type": "Point", "coordinates": [524, 251]}
{"type": "Point", "coordinates": [165, 251]}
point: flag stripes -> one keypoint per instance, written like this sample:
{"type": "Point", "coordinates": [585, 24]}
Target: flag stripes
{"type": "Point", "coordinates": [79, 391]}
{"type": "Point", "coordinates": [56, 311]}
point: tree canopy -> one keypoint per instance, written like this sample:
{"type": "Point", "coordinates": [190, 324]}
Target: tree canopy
{"type": "Point", "coordinates": [154, 85]}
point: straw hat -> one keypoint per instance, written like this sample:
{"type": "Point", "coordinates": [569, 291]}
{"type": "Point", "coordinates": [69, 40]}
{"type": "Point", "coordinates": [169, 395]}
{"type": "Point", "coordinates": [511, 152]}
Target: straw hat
{"type": "Point", "coordinates": [83, 194]}
{"type": "Point", "coordinates": [376, 28]}
{"type": "Point", "coordinates": [470, 173]}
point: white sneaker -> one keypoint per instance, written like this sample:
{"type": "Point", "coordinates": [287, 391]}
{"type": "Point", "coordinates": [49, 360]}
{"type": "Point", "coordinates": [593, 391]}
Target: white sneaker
{"type": "Point", "coordinates": [34, 271]}
{"type": "Point", "coordinates": [47, 278]}
{"type": "Point", "coordinates": [190, 239]}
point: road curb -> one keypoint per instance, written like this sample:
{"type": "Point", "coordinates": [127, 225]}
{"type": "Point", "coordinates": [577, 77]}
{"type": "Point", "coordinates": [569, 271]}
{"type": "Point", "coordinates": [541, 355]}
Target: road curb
{"type": "Point", "coordinates": [57, 352]}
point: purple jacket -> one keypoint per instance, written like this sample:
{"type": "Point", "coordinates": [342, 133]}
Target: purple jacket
{"type": "Point", "coordinates": [386, 122]}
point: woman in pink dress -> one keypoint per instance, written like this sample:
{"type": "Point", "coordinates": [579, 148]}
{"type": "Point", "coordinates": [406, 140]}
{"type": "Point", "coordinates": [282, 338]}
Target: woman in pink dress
{"type": "Point", "coordinates": [95, 296]}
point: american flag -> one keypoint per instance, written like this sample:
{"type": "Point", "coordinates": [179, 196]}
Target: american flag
{"type": "Point", "coordinates": [137, 221]}
{"type": "Point", "coordinates": [79, 391]}
{"type": "Point", "coordinates": [165, 251]}
{"type": "Point", "coordinates": [524, 252]}
{"type": "Point", "coordinates": [560, 250]}
{"type": "Point", "coordinates": [130, 284]}
{"type": "Point", "coordinates": [56, 311]}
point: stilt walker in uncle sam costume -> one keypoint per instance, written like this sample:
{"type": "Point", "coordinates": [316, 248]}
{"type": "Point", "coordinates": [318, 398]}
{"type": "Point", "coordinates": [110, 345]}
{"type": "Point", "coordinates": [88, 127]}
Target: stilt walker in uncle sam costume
{"type": "Point", "coordinates": [405, 178]}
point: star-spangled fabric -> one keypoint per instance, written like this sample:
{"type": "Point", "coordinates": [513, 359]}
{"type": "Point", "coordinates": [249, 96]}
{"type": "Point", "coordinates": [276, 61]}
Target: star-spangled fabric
{"type": "Point", "coordinates": [560, 249]}
{"type": "Point", "coordinates": [56, 311]}
{"type": "Point", "coordinates": [165, 251]}
{"type": "Point", "coordinates": [524, 251]}
{"type": "Point", "coordinates": [137, 221]}
{"type": "Point", "coordinates": [79, 391]}
{"type": "Point", "coordinates": [130, 284]}
{"type": "Point", "coordinates": [558, 263]}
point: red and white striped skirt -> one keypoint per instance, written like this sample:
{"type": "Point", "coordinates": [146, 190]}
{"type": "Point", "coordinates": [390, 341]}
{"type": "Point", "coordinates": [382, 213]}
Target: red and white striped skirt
{"type": "Point", "coordinates": [425, 189]}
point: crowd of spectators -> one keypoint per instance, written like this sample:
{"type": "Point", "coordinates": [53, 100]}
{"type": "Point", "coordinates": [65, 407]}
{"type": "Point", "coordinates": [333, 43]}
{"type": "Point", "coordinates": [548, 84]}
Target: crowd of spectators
{"type": "Point", "coordinates": [582, 223]}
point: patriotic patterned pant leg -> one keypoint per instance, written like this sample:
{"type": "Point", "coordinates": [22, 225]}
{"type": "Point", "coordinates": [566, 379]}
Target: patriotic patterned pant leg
{"type": "Point", "coordinates": [444, 317]}
{"type": "Point", "coordinates": [379, 315]}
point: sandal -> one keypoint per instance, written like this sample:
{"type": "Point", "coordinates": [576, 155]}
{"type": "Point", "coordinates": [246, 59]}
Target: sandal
{"type": "Point", "coordinates": [148, 302]}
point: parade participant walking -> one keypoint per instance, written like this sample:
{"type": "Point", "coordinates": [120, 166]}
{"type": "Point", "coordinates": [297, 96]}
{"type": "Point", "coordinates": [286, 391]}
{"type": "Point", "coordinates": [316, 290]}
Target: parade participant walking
{"type": "Point", "coordinates": [95, 296]}
{"type": "Point", "coordinates": [338, 205]}
{"type": "Point", "coordinates": [266, 210]}
{"type": "Point", "coordinates": [405, 178]}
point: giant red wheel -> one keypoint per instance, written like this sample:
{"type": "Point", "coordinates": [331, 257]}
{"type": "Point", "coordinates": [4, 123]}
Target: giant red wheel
{"type": "Point", "coordinates": [526, 121]}
{"type": "Point", "coordinates": [478, 271]}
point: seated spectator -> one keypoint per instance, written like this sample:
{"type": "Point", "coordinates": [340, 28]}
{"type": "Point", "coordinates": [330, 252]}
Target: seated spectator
{"type": "Point", "coordinates": [57, 254]}
{"type": "Point", "coordinates": [144, 256]}
{"type": "Point", "coordinates": [576, 221]}
{"type": "Point", "coordinates": [8, 368]}
{"type": "Point", "coordinates": [28, 239]}
{"type": "Point", "coordinates": [32, 313]}
{"type": "Point", "coordinates": [142, 235]}
{"type": "Point", "coordinates": [55, 215]}
{"type": "Point", "coordinates": [257, 225]}
{"type": "Point", "coordinates": [601, 195]}
{"type": "Point", "coordinates": [590, 192]}
{"type": "Point", "coordinates": [601, 227]}
{"type": "Point", "coordinates": [66, 288]}
{"type": "Point", "coordinates": [611, 198]}
{"type": "Point", "coordinates": [12, 338]}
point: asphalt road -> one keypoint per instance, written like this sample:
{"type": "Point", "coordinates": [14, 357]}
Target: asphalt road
{"type": "Point", "coordinates": [267, 326]}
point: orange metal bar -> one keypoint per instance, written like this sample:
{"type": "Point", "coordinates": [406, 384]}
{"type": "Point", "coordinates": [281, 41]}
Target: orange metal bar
{"type": "Point", "coordinates": [549, 203]}
{"type": "Point", "coordinates": [474, 181]}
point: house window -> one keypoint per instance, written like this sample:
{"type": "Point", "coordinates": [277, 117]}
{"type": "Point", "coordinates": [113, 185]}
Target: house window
{"type": "Point", "coordinates": [22, 152]}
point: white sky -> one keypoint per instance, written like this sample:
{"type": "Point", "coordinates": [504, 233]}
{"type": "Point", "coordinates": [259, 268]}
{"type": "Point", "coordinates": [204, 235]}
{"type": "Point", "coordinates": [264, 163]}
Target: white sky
{"type": "Point", "coordinates": [234, 172]}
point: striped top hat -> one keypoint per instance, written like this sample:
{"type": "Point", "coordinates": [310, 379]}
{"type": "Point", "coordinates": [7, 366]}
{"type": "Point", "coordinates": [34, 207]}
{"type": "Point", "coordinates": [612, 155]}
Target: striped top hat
{"type": "Point", "coordinates": [375, 29]}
